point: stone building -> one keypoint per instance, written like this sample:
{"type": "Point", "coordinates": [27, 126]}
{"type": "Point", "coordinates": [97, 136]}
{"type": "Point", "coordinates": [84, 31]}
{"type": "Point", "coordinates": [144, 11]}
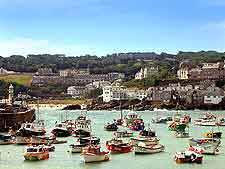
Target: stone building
{"type": "Point", "coordinates": [146, 72]}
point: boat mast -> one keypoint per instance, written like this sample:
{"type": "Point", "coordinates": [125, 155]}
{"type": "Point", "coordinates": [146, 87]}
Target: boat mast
{"type": "Point", "coordinates": [121, 112]}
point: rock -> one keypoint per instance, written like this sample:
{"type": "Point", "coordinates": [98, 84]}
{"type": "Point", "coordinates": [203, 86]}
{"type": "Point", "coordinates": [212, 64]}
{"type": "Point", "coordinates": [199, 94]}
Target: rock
{"type": "Point", "coordinates": [72, 107]}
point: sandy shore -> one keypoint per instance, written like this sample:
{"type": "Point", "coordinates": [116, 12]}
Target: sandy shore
{"type": "Point", "coordinates": [48, 105]}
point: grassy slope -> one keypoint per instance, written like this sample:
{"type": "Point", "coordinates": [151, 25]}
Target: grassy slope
{"type": "Point", "coordinates": [20, 79]}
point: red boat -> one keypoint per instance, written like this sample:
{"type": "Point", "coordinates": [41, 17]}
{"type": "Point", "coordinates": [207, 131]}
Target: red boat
{"type": "Point", "coordinates": [188, 157]}
{"type": "Point", "coordinates": [118, 146]}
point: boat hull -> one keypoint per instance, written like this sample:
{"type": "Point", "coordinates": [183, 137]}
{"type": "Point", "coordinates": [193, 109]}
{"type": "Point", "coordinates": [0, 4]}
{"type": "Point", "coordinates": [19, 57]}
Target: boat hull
{"type": "Point", "coordinates": [148, 150]}
{"type": "Point", "coordinates": [36, 156]}
{"type": "Point", "coordinates": [119, 149]}
{"type": "Point", "coordinates": [89, 158]}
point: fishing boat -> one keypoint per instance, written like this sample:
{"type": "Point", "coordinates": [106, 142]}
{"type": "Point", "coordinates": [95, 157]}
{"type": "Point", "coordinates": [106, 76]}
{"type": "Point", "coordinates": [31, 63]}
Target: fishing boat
{"type": "Point", "coordinates": [208, 149]}
{"type": "Point", "coordinates": [142, 148]}
{"type": "Point", "coordinates": [37, 140]}
{"type": "Point", "coordinates": [188, 157]}
{"type": "Point", "coordinates": [130, 118]}
{"type": "Point", "coordinates": [60, 130]}
{"type": "Point", "coordinates": [177, 126]}
{"type": "Point", "coordinates": [6, 139]}
{"type": "Point", "coordinates": [93, 153]}
{"type": "Point", "coordinates": [35, 153]}
{"type": "Point", "coordinates": [213, 134]}
{"type": "Point", "coordinates": [146, 140]}
{"type": "Point", "coordinates": [111, 127]}
{"type": "Point", "coordinates": [83, 142]}
{"type": "Point", "coordinates": [116, 145]}
{"type": "Point", "coordinates": [137, 125]}
{"type": "Point", "coordinates": [208, 119]}
{"type": "Point", "coordinates": [89, 140]}
{"type": "Point", "coordinates": [147, 133]}
{"type": "Point", "coordinates": [123, 134]}
{"type": "Point", "coordinates": [27, 131]}
{"type": "Point", "coordinates": [49, 148]}
{"type": "Point", "coordinates": [83, 128]}
{"type": "Point", "coordinates": [204, 141]}
{"type": "Point", "coordinates": [221, 122]}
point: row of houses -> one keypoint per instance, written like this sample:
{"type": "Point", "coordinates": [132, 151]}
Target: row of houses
{"type": "Point", "coordinates": [201, 72]}
{"type": "Point", "coordinates": [189, 94]}
{"type": "Point", "coordinates": [82, 91]}
{"type": "Point", "coordinates": [79, 79]}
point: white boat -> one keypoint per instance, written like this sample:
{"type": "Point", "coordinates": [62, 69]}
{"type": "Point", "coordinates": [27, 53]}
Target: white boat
{"type": "Point", "coordinates": [205, 149]}
{"type": "Point", "coordinates": [130, 118]}
{"type": "Point", "coordinates": [210, 122]}
{"type": "Point", "coordinates": [204, 141]}
{"type": "Point", "coordinates": [141, 148]}
{"type": "Point", "coordinates": [123, 134]}
{"type": "Point", "coordinates": [146, 140]}
{"type": "Point", "coordinates": [207, 119]}
{"type": "Point", "coordinates": [181, 134]}
{"type": "Point", "coordinates": [94, 154]}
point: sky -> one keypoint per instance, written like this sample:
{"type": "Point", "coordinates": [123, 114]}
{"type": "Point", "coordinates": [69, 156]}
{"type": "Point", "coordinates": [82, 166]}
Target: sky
{"type": "Point", "coordinates": [100, 27]}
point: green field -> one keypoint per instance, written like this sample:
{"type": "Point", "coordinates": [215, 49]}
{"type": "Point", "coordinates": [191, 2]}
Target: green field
{"type": "Point", "coordinates": [20, 79]}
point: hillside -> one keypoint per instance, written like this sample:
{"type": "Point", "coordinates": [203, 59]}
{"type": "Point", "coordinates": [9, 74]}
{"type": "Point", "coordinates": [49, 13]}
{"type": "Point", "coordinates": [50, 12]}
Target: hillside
{"type": "Point", "coordinates": [24, 80]}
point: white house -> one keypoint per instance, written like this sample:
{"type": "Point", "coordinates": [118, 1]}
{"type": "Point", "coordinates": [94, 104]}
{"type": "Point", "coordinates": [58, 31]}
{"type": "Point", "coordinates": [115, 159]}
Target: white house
{"type": "Point", "coordinates": [211, 65]}
{"type": "Point", "coordinates": [76, 91]}
{"type": "Point", "coordinates": [121, 93]}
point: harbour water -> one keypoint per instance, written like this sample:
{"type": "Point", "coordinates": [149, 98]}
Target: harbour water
{"type": "Point", "coordinates": [11, 156]}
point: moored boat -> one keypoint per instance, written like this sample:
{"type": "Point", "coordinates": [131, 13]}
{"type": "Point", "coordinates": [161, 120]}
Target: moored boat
{"type": "Point", "coordinates": [213, 134]}
{"type": "Point", "coordinates": [6, 139]}
{"type": "Point", "coordinates": [208, 149]}
{"type": "Point", "coordinates": [146, 140]}
{"type": "Point", "coordinates": [116, 145]}
{"type": "Point", "coordinates": [60, 130]}
{"type": "Point", "coordinates": [83, 142]}
{"type": "Point", "coordinates": [188, 157]}
{"type": "Point", "coordinates": [137, 125]}
{"type": "Point", "coordinates": [204, 141]}
{"type": "Point", "coordinates": [27, 131]}
{"type": "Point", "coordinates": [177, 126]}
{"type": "Point", "coordinates": [111, 127]}
{"type": "Point", "coordinates": [147, 133]}
{"type": "Point", "coordinates": [142, 148]}
{"type": "Point", "coordinates": [130, 118]}
{"type": "Point", "coordinates": [35, 153]}
{"type": "Point", "coordinates": [94, 154]}
{"type": "Point", "coordinates": [124, 133]}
